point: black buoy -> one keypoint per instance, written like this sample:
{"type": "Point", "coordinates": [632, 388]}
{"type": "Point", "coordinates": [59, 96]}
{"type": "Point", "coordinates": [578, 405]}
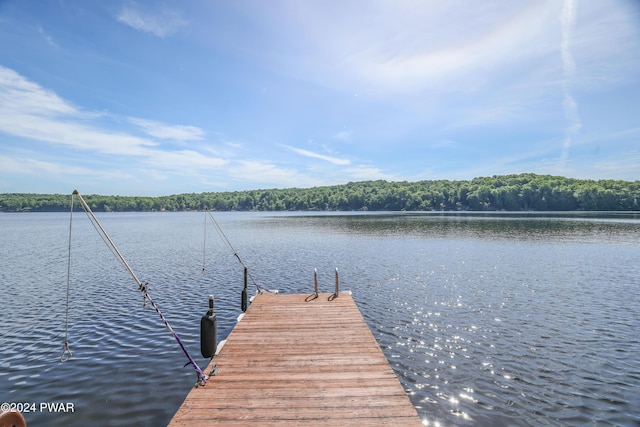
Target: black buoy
{"type": "Point", "coordinates": [209, 332]}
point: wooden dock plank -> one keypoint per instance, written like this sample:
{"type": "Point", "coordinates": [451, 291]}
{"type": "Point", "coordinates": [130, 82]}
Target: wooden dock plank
{"type": "Point", "coordinates": [291, 361]}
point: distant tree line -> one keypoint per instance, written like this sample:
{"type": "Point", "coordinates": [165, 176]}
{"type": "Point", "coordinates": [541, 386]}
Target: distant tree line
{"type": "Point", "coordinates": [523, 192]}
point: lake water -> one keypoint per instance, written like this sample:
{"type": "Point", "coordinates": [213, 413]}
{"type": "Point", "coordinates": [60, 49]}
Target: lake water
{"type": "Point", "coordinates": [487, 319]}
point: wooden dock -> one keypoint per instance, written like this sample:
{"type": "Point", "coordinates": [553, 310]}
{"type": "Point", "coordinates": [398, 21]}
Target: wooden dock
{"type": "Point", "coordinates": [290, 361]}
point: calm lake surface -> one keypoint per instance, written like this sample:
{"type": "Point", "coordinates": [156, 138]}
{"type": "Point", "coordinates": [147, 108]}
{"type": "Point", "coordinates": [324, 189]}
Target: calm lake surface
{"type": "Point", "coordinates": [487, 319]}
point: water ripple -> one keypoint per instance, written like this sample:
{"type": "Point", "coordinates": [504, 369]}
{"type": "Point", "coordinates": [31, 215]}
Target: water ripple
{"type": "Point", "coordinates": [485, 323]}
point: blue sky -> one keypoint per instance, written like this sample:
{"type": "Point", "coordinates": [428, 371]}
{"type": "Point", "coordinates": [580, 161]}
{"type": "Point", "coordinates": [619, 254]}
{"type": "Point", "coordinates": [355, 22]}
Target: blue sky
{"type": "Point", "coordinates": [157, 98]}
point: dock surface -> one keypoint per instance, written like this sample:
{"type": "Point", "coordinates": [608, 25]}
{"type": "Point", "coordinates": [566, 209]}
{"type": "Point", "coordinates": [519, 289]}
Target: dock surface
{"type": "Point", "coordinates": [290, 361]}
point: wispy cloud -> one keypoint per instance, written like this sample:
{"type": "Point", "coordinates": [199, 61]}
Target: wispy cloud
{"type": "Point", "coordinates": [47, 37]}
{"type": "Point", "coordinates": [619, 168]}
{"type": "Point", "coordinates": [364, 172]}
{"type": "Point", "coordinates": [569, 68]}
{"type": "Point", "coordinates": [313, 155]}
{"type": "Point", "coordinates": [61, 174]}
{"type": "Point", "coordinates": [410, 48]}
{"type": "Point", "coordinates": [37, 167]}
{"type": "Point", "coordinates": [299, 93]}
{"type": "Point", "coordinates": [444, 143]}
{"type": "Point", "coordinates": [344, 135]}
{"type": "Point", "coordinates": [270, 173]}
{"type": "Point", "coordinates": [173, 132]}
{"type": "Point", "coordinates": [160, 22]}
{"type": "Point", "coordinates": [29, 111]}
{"type": "Point", "coordinates": [185, 161]}
{"type": "Point", "coordinates": [567, 22]}
{"type": "Point", "coordinates": [20, 94]}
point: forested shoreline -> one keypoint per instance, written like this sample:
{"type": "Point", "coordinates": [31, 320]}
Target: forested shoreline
{"type": "Point", "coordinates": [523, 192]}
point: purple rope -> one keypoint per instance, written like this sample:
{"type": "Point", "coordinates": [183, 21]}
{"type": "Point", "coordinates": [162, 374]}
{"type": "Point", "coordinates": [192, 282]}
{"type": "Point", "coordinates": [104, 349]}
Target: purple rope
{"type": "Point", "coordinates": [202, 378]}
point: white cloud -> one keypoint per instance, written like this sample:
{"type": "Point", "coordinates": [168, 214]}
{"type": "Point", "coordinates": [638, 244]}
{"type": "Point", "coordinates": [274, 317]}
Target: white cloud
{"type": "Point", "coordinates": [233, 144]}
{"type": "Point", "coordinates": [172, 132]}
{"type": "Point", "coordinates": [619, 167]}
{"type": "Point", "coordinates": [186, 161]}
{"type": "Point", "coordinates": [20, 94]}
{"type": "Point", "coordinates": [444, 143]}
{"type": "Point", "coordinates": [160, 22]}
{"type": "Point", "coordinates": [36, 167]}
{"type": "Point", "coordinates": [311, 154]}
{"type": "Point", "coordinates": [47, 37]}
{"type": "Point", "coordinates": [267, 172]}
{"type": "Point", "coordinates": [64, 131]}
{"type": "Point", "coordinates": [483, 49]}
{"type": "Point", "coordinates": [365, 173]}
{"type": "Point", "coordinates": [569, 68]}
{"type": "Point", "coordinates": [424, 48]}
{"type": "Point", "coordinates": [344, 136]}
{"type": "Point", "coordinates": [30, 111]}
{"type": "Point", "coordinates": [387, 48]}
{"type": "Point", "coordinates": [567, 21]}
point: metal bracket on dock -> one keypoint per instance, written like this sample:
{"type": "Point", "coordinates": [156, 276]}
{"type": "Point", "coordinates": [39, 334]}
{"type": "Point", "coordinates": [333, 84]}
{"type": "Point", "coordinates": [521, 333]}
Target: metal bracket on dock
{"type": "Point", "coordinates": [214, 370]}
{"type": "Point", "coordinates": [315, 287]}
{"type": "Point", "coordinates": [315, 294]}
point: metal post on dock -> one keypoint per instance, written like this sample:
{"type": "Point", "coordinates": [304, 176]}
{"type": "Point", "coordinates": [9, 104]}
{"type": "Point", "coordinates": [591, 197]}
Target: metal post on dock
{"type": "Point", "coordinates": [315, 282]}
{"type": "Point", "coordinates": [337, 293]}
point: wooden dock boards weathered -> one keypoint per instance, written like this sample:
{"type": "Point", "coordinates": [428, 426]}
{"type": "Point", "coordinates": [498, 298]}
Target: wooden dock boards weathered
{"type": "Point", "coordinates": [295, 362]}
